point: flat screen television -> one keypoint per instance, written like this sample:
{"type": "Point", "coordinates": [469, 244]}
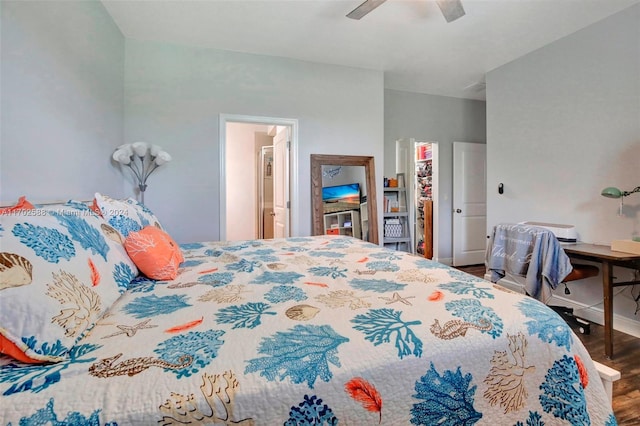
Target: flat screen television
{"type": "Point", "coordinates": [342, 197]}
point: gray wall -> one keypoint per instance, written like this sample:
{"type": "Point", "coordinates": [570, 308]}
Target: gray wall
{"type": "Point", "coordinates": [62, 91]}
{"type": "Point", "coordinates": [439, 119]}
{"type": "Point", "coordinates": [563, 122]}
{"type": "Point", "coordinates": [174, 95]}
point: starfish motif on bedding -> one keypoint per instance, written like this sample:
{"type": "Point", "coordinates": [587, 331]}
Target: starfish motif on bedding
{"type": "Point", "coordinates": [397, 298]}
{"type": "Point", "coordinates": [130, 331]}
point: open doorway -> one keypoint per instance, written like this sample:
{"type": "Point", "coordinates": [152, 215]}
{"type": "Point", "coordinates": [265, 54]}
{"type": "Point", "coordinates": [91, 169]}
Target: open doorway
{"type": "Point", "coordinates": [243, 177]}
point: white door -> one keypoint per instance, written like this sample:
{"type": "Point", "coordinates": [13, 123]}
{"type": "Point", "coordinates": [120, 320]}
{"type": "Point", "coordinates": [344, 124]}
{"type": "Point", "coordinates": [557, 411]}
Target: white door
{"type": "Point", "coordinates": [281, 183]}
{"type": "Point", "coordinates": [469, 203]}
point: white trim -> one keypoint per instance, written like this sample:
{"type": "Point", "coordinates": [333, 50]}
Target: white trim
{"type": "Point", "coordinates": [293, 170]}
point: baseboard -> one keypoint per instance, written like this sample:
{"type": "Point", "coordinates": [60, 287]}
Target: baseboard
{"type": "Point", "coordinates": [590, 313]}
{"type": "Point", "coordinates": [446, 260]}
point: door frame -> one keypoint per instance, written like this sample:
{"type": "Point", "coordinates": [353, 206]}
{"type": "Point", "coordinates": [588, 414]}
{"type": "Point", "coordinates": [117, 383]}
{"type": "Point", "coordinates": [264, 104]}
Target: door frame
{"type": "Point", "coordinates": [293, 166]}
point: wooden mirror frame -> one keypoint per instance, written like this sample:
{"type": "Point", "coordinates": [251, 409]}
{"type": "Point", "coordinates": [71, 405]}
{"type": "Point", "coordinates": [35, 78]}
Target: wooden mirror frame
{"type": "Point", "coordinates": [317, 209]}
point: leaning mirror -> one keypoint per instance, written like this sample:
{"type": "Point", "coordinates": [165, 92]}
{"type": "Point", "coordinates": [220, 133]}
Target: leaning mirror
{"type": "Point", "coordinates": [343, 196]}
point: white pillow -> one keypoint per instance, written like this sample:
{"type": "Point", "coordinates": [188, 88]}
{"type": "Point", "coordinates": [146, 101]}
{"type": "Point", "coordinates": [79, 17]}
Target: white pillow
{"type": "Point", "coordinates": [60, 271]}
{"type": "Point", "coordinates": [125, 215]}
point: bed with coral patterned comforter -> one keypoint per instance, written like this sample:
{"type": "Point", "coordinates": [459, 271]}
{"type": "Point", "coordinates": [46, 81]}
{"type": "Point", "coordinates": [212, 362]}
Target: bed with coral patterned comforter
{"type": "Point", "coordinates": [317, 330]}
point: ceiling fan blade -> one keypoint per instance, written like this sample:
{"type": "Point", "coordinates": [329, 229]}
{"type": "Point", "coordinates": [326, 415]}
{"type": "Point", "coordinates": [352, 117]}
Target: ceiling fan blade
{"type": "Point", "coordinates": [364, 8]}
{"type": "Point", "coordinates": [451, 9]}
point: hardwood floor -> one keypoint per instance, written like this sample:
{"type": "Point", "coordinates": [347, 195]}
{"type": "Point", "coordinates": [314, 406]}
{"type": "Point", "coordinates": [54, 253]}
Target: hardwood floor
{"type": "Point", "coordinates": [626, 359]}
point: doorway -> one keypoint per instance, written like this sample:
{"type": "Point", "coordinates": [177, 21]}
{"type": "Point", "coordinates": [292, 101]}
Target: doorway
{"type": "Point", "coordinates": [241, 176]}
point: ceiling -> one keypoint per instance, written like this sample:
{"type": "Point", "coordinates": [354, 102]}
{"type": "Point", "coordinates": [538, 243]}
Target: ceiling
{"type": "Point", "coordinates": [408, 40]}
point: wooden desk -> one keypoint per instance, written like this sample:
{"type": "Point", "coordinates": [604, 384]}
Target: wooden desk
{"type": "Point", "coordinates": [608, 259]}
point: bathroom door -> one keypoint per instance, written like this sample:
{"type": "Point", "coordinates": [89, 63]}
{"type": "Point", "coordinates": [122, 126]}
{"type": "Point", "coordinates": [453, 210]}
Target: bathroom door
{"type": "Point", "coordinates": [281, 183]}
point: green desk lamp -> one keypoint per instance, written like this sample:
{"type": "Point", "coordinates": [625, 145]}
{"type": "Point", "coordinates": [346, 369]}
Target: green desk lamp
{"type": "Point", "coordinates": [612, 192]}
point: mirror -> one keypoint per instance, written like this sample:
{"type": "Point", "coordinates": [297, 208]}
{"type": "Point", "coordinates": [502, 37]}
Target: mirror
{"type": "Point", "coordinates": [333, 211]}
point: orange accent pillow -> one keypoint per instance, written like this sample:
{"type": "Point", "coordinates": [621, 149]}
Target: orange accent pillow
{"type": "Point", "coordinates": [154, 252]}
{"type": "Point", "coordinates": [22, 204]}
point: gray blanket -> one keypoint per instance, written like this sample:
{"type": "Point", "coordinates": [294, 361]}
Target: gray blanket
{"type": "Point", "coordinates": [528, 251]}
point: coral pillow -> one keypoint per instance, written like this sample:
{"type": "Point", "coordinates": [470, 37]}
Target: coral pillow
{"type": "Point", "coordinates": [22, 204]}
{"type": "Point", "coordinates": [154, 252]}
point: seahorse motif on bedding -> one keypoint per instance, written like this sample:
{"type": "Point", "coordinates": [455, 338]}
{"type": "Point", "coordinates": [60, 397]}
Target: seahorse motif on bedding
{"type": "Point", "coordinates": [107, 367]}
{"type": "Point", "coordinates": [458, 328]}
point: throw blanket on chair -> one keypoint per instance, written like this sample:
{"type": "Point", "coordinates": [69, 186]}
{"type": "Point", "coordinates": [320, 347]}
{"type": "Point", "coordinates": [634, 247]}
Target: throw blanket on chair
{"type": "Point", "coordinates": [531, 252]}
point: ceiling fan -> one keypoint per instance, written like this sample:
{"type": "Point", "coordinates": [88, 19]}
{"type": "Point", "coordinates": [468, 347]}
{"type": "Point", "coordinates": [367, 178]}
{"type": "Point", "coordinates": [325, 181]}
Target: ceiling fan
{"type": "Point", "coordinates": [451, 9]}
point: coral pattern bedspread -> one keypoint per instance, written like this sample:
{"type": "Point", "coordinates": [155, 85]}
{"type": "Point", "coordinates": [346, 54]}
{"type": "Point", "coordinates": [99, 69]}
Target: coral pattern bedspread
{"type": "Point", "coordinates": [318, 330]}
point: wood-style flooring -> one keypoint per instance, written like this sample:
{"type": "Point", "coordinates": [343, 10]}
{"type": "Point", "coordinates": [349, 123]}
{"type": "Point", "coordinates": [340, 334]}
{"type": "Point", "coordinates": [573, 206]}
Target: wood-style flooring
{"type": "Point", "coordinates": [626, 359]}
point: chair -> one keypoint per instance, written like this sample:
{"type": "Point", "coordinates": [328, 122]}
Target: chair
{"type": "Point", "coordinates": [536, 254]}
{"type": "Point", "coordinates": [579, 272]}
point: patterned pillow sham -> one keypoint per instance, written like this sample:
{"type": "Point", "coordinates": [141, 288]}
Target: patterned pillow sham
{"type": "Point", "coordinates": [60, 271]}
{"type": "Point", "coordinates": [125, 215]}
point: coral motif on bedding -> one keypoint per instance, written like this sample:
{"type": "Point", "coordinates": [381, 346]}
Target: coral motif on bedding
{"type": "Point", "coordinates": [269, 277]}
{"type": "Point", "coordinates": [109, 367]}
{"type": "Point", "coordinates": [379, 325]}
{"type": "Point", "coordinates": [467, 288]}
{"type": "Point", "coordinates": [216, 279]}
{"type": "Point", "coordinates": [81, 304]}
{"type": "Point", "coordinates": [122, 274]}
{"type": "Point", "coordinates": [48, 243]}
{"type": "Point", "coordinates": [84, 234]}
{"type": "Point", "coordinates": [149, 306]}
{"type": "Point", "coordinates": [244, 265]}
{"type": "Point", "coordinates": [218, 390]}
{"type": "Point", "coordinates": [229, 294]}
{"type": "Point", "coordinates": [446, 399]}
{"type": "Point", "coordinates": [311, 411]}
{"type": "Point", "coordinates": [380, 286]}
{"type": "Point", "coordinates": [47, 415]}
{"type": "Point", "coordinates": [395, 297]}
{"type": "Point", "coordinates": [302, 353]}
{"type": "Point", "coordinates": [341, 298]}
{"type": "Point", "coordinates": [37, 378]}
{"type": "Point", "coordinates": [506, 379]}
{"type": "Point", "coordinates": [243, 316]}
{"type": "Point", "coordinates": [283, 293]}
{"type": "Point", "coordinates": [328, 271]}
{"type": "Point", "coordinates": [416, 275]}
{"type": "Point", "coordinates": [563, 393]}
{"type": "Point", "coordinates": [547, 325]}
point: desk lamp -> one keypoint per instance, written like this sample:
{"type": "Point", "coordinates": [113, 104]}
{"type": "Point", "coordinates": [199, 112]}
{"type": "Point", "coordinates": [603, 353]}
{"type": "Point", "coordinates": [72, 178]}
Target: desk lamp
{"type": "Point", "coordinates": [612, 192]}
{"type": "Point", "coordinates": [142, 159]}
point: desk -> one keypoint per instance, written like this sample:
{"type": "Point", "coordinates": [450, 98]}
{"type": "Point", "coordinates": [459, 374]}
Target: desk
{"type": "Point", "coordinates": [608, 259]}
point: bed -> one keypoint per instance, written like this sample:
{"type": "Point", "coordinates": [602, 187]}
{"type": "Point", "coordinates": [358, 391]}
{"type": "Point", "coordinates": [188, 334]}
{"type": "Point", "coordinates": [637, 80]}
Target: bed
{"type": "Point", "coordinates": [310, 330]}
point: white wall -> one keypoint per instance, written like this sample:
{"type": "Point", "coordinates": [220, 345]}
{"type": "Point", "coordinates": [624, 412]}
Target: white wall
{"type": "Point", "coordinates": [563, 123]}
{"type": "Point", "coordinates": [433, 118]}
{"type": "Point", "coordinates": [174, 95]}
{"type": "Point", "coordinates": [62, 70]}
